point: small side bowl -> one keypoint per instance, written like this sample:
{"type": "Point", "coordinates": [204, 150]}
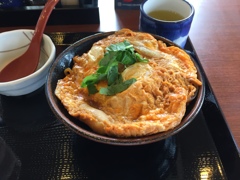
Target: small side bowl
{"type": "Point", "coordinates": [12, 45]}
{"type": "Point", "coordinates": [64, 60]}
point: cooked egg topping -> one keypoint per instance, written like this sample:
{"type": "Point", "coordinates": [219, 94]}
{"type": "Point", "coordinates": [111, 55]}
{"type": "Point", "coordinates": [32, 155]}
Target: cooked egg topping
{"type": "Point", "coordinates": [155, 102]}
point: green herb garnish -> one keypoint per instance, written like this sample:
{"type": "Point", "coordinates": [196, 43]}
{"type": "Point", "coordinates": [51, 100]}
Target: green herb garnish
{"type": "Point", "coordinates": [117, 55]}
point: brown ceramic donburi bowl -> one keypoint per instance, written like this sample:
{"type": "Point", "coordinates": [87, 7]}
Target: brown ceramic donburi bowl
{"type": "Point", "coordinates": [64, 60]}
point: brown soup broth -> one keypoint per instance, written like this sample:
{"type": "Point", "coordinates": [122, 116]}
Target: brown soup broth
{"type": "Point", "coordinates": [165, 15]}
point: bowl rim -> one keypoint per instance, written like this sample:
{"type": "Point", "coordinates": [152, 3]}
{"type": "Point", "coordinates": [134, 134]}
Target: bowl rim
{"type": "Point", "coordinates": [51, 57]}
{"type": "Point", "coordinates": [132, 141]}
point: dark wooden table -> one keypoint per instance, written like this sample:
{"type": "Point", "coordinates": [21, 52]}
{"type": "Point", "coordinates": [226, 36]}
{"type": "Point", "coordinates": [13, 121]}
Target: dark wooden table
{"type": "Point", "coordinates": [215, 36]}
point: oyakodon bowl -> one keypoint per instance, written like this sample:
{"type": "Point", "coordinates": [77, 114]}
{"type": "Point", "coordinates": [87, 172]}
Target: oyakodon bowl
{"type": "Point", "coordinates": [64, 60]}
{"type": "Point", "coordinates": [12, 45]}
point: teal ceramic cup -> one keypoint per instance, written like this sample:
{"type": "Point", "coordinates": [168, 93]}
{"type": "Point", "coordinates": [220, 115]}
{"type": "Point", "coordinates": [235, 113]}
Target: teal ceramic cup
{"type": "Point", "coordinates": [176, 30]}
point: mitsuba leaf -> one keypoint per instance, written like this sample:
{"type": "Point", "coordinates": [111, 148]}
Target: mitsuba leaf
{"type": "Point", "coordinates": [108, 58]}
{"type": "Point", "coordinates": [127, 58]}
{"type": "Point", "coordinates": [140, 58]}
{"type": "Point", "coordinates": [102, 69]}
{"type": "Point", "coordinates": [91, 79]}
{"type": "Point", "coordinates": [92, 89]}
{"type": "Point", "coordinates": [112, 75]}
{"type": "Point", "coordinates": [117, 55]}
{"type": "Point", "coordinates": [122, 46]}
{"type": "Point", "coordinates": [117, 88]}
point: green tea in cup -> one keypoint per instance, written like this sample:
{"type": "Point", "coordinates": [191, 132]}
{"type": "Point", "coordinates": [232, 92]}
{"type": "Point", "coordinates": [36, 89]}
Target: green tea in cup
{"type": "Point", "coordinates": [166, 15]}
{"type": "Point", "coordinates": [171, 19]}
